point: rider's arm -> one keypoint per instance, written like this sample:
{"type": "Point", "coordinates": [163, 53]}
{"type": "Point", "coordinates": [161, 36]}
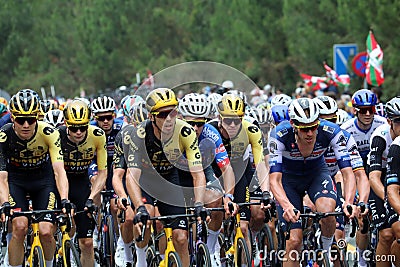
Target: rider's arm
{"type": "Point", "coordinates": [278, 191]}
{"type": "Point", "coordinates": [57, 160]}
{"type": "Point", "coordinates": [256, 141]}
{"type": "Point", "coordinates": [362, 185]}
{"type": "Point", "coordinates": [378, 145]}
{"type": "Point", "coordinates": [349, 184]}
{"type": "Point", "coordinates": [119, 167]}
{"type": "Point", "coordinates": [132, 185]}
{"type": "Point", "coordinates": [344, 162]}
{"type": "Point", "coordinates": [61, 179]}
{"type": "Point", "coordinates": [392, 176]}
{"type": "Point", "coordinates": [3, 187]}
{"type": "Point", "coordinates": [190, 145]}
{"type": "Point", "coordinates": [101, 156]}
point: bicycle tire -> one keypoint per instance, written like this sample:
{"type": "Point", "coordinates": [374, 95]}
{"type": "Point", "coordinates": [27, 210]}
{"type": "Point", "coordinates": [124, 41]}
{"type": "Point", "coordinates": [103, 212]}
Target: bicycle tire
{"type": "Point", "coordinates": [202, 255]}
{"type": "Point", "coordinates": [174, 260]}
{"type": "Point", "coordinates": [110, 249]}
{"type": "Point", "coordinates": [152, 259]}
{"type": "Point", "coordinates": [266, 242]}
{"type": "Point", "coordinates": [70, 254]}
{"type": "Point", "coordinates": [323, 259]}
{"type": "Point", "coordinates": [242, 254]}
{"type": "Point", "coordinates": [339, 254]}
{"type": "Point", "coordinates": [38, 257]}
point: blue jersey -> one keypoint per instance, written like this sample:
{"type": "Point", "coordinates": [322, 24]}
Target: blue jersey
{"type": "Point", "coordinates": [286, 157]}
{"type": "Point", "coordinates": [212, 147]}
{"type": "Point", "coordinates": [5, 119]}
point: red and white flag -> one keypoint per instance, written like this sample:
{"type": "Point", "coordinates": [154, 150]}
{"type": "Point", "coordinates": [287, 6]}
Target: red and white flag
{"type": "Point", "coordinates": [374, 70]}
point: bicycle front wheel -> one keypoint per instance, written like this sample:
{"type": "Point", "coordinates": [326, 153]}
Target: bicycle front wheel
{"type": "Point", "coordinates": [152, 259]}
{"type": "Point", "coordinates": [267, 248]}
{"type": "Point", "coordinates": [70, 255]}
{"type": "Point", "coordinates": [242, 254]}
{"type": "Point", "coordinates": [202, 256]}
{"type": "Point", "coordinates": [111, 242]}
{"type": "Point", "coordinates": [38, 257]}
{"type": "Point", "coordinates": [174, 260]}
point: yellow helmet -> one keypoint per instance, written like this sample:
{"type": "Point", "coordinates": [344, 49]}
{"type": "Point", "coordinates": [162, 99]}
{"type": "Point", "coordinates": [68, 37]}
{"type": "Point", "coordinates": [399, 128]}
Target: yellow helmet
{"type": "Point", "coordinates": [24, 103]}
{"type": "Point", "coordinates": [231, 105]}
{"type": "Point", "coordinates": [76, 112]}
{"type": "Point", "coordinates": [159, 98]}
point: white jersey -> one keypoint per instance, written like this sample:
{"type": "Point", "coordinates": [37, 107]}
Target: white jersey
{"type": "Point", "coordinates": [380, 142]}
{"type": "Point", "coordinates": [362, 137]}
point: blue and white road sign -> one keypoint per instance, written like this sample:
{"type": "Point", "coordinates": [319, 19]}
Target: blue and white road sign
{"type": "Point", "coordinates": [341, 55]}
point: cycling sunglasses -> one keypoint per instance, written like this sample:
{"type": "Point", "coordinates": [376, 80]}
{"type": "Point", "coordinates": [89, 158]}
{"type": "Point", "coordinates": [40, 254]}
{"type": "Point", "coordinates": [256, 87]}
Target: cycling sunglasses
{"type": "Point", "coordinates": [22, 120]}
{"type": "Point", "coordinates": [75, 129]}
{"type": "Point", "coordinates": [305, 129]}
{"type": "Point", "coordinates": [396, 120]}
{"type": "Point", "coordinates": [198, 123]}
{"type": "Point", "coordinates": [332, 119]}
{"type": "Point", "coordinates": [228, 121]}
{"type": "Point", "coordinates": [165, 114]}
{"type": "Point", "coordinates": [371, 110]}
{"type": "Point", "coordinates": [105, 117]}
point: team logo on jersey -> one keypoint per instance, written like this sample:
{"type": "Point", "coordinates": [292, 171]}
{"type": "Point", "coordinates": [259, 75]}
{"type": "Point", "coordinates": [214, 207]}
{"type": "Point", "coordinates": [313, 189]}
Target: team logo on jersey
{"type": "Point", "coordinates": [341, 141]}
{"type": "Point", "coordinates": [273, 147]}
{"type": "Point", "coordinates": [48, 130]}
{"type": "Point", "coordinates": [328, 129]}
{"type": "Point", "coordinates": [353, 150]}
{"type": "Point", "coordinates": [253, 129]}
{"type": "Point", "coordinates": [186, 131]}
{"type": "Point", "coordinates": [3, 137]}
{"type": "Point", "coordinates": [141, 132]}
{"type": "Point", "coordinates": [98, 132]}
{"type": "Point", "coordinates": [282, 132]}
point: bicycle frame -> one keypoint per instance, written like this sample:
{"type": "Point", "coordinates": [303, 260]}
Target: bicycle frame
{"type": "Point", "coordinates": [35, 243]}
{"type": "Point", "coordinates": [170, 246]}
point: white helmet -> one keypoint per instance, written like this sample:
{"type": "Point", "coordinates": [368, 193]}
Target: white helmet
{"type": "Point", "coordinates": [103, 104]}
{"type": "Point", "coordinates": [342, 116]}
{"type": "Point", "coordinates": [54, 117]}
{"type": "Point", "coordinates": [194, 105]}
{"type": "Point", "coordinates": [263, 115]}
{"type": "Point", "coordinates": [213, 100]}
{"type": "Point", "coordinates": [281, 99]}
{"type": "Point", "coordinates": [327, 105]}
{"type": "Point", "coordinates": [227, 84]}
{"type": "Point", "coordinates": [87, 102]}
{"type": "Point", "coordinates": [303, 110]}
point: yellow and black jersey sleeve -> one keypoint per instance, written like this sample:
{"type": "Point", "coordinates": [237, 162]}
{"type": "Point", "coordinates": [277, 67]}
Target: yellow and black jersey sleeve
{"type": "Point", "coordinates": [51, 137]}
{"type": "Point", "coordinates": [255, 139]}
{"type": "Point", "coordinates": [99, 139]}
{"type": "Point", "coordinates": [188, 143]}
{"type": "Point", "coordinates": [133, 140]}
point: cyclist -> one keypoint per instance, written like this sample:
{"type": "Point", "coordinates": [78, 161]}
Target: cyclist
{"type": "Point", "coordinates": [383, 216]}
{"type": "Point", "coordinates": [138, 115]}
{"type": "Point", "coordinates": [81, 143]}
{"type": "Point", "coordinates": [32, 162]}
{"type": "Point", "coordinates": [280, 112]}
{"type": "Point", "coordinates": [281, 99]}
{"type": "Point", "coordinates": [297, 165]}
{"type": "Point", "coordinates": [361, 128]}
{"type": "Point", "coordinates": [195, 108]}
{"type": "Point", "coordinates": [103, 109]}
{"type": "Point", "coordinates": [54, 117]}
{"type": "Point", "coordinates": [237, 134]}
{"type": "Point", "coordinates": [328, 111]}
{"type": "Point", "coordinates": [165, 138]}
{"type": "Point", "coordinates": [45, 106]}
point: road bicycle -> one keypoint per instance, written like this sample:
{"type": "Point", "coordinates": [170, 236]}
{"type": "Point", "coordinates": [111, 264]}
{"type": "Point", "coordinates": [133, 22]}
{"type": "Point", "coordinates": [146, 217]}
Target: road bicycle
{"type": "Point", "coordinates": [66, 254]}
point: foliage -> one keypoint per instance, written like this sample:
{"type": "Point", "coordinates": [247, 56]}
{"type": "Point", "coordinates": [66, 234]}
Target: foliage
{"type": "Point", "coordinates": [101, 44]}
